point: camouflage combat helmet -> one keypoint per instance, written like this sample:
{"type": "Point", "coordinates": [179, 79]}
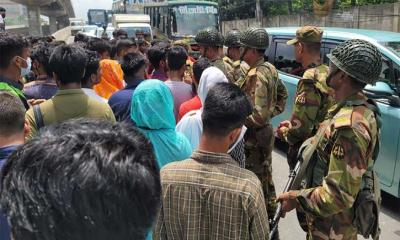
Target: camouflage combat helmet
{"type": "Point", "coordinates": [255, 38]}
{"type": "Point", "coordinates": [232, 38]}
{"type": "Point", "coordinates": [210, 37]}
{"type": "Point", "coordinates": [359, 59]}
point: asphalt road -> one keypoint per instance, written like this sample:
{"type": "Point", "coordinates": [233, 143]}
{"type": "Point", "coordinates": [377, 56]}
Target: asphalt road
{"type": "Point", "coordinates": [289, 227]}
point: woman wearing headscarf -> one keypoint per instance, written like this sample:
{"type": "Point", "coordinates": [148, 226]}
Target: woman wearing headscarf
{"type": "Point", "coordinates": [191, 124]}
{"type": "Point", "coordinates": [152, 110]}
{"type": "Point", "coordinates": [112, 78]}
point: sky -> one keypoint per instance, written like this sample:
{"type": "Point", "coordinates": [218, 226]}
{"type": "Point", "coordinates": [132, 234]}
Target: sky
{"type": "Point", "coordinates": [82, 6]}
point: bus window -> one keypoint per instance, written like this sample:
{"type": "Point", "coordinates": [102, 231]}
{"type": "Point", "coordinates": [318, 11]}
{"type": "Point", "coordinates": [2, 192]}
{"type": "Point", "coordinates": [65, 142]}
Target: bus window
{"type": "Point", "coordinates": [158, 18]}
{"type": "Point", "coordinates": [174, 26]}
{"type": "Point", "coordinates": [164, 21]}
{"type": "Point", "coordinates": [153, 17]}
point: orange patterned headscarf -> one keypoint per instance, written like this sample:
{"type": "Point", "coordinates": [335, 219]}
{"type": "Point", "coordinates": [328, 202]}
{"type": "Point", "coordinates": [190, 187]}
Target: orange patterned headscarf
{"type": "Point", "coordinates": [112, 78]}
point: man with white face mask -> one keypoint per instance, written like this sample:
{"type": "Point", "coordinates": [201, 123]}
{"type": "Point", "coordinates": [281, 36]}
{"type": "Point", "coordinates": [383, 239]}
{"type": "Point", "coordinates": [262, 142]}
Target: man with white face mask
{"type": "Point", "coordinates": [14, 63]}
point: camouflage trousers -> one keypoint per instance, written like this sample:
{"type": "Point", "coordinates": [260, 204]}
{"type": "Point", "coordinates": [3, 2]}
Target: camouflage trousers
{"type": "Point", "coordinates": [258, 148]}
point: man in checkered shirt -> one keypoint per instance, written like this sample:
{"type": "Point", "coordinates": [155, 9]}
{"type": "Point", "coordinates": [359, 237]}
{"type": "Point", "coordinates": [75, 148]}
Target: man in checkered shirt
{"type": "Point", "coordinates": [209, 196]}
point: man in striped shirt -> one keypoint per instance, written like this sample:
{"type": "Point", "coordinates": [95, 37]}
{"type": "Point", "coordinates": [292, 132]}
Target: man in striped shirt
{"type": "Point", "coordinates": [209, 196]}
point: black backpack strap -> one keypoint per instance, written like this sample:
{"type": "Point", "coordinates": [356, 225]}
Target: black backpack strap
{"type": "Point", "coordinates": [38, 117]}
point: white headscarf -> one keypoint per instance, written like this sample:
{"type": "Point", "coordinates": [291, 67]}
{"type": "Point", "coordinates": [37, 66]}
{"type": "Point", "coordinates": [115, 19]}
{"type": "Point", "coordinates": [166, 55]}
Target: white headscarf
{"type": "Point", "coordinates": [191, 125]}
{"type": "Point", "coordinates": [209, 78]}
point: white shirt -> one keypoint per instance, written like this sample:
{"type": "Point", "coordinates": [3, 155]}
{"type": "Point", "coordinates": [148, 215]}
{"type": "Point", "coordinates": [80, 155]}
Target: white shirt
{"type": "Point", "coordinates": [91, 93]}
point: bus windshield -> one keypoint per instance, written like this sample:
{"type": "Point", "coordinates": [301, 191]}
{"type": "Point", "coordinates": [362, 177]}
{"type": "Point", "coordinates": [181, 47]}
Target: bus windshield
{"type": "Point", "coordinates": [189, 19]}
{"type": "Point", "coordinates": [97, 17]}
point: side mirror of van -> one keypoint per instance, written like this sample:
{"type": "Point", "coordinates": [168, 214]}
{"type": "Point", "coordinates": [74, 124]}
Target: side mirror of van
{"type": "Point", "coordinates": [382, 90]}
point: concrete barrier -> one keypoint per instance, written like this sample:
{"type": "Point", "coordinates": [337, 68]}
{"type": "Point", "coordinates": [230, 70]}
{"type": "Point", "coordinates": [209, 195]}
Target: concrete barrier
{"type": "Point", "coordinates": [20, 29]}
{"type": "Point", "coordinates": [63, 34]}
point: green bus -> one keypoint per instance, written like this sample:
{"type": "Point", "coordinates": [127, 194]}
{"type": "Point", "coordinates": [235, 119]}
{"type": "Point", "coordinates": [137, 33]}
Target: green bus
{"type": "Point", "coordinates": [182, 19]}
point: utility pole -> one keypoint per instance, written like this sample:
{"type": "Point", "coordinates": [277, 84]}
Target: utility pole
{"type": "Point", "coordinates": [258, 13]}
{"type": "Point", "coordinates": [124, 6]}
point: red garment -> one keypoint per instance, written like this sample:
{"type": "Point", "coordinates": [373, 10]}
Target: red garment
{"type": "Point", "coordinates": [190, 58]}
{"type": "Point", "coordinates": [190, 105]}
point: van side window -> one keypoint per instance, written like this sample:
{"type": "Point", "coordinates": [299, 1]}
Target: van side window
{"type": "Point", "coordinates": [285, 60]}
{"type": "Point", "coordinates": [396, 76]}
{"type": "Point", "coordinates": [385, 75]}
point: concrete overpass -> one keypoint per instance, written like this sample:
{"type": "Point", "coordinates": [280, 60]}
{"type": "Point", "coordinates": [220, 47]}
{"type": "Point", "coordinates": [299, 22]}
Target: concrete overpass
{"type": "Point", "coordinates": [58, 12]}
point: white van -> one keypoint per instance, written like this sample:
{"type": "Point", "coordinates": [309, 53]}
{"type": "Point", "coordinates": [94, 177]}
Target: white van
{"type": "Point", "coordinates": [76, 25]}
{"type": "Point", "coordinates": [133, 23]}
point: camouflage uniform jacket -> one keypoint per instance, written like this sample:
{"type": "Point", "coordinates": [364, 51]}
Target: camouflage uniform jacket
{"type": "Point", "coordinates": [188, 77]}
{"type": "Point", "coordinates": [312, 102]}
{"type": "Point", "coordinates": [236, 70]}
{"type": "Point", "coordinates": [223, 66]}
{"type": "Point", "coordinates": [343, 156]}
{"type": "Point", "coordinates": [260, 84]}
{"type": "Point", "coordinates": [281, 97]}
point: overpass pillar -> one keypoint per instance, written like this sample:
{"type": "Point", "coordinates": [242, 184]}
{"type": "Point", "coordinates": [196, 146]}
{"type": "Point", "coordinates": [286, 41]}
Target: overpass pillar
{"type": "Point", "coordinates": [53, 24]}
{"type": "Point", "coordinates": [35, 28]}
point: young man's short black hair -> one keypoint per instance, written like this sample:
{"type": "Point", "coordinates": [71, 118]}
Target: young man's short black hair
{"type": "Point", "coordinates": [12, 117]}
{"type": "Point", "coordinates": [198, 68]}
{"type": "Point", "coordinates": [99, 46]}
{"type": "Point", "coordinates": [177, 57]}
{"type": "Point", "coordinates": [83, 179]}
{"type": "Point", "coordinates": [156, 54]}
{"type": "Point", "coordinates": [118, 33]}
{"type": "Point", "coordinates": [92, 65]}
{"type": "Point", "coordinates": [80, 37]}
{"type": "Point", "coordinates": [131, 63]}
{"type": "Point", "coordinates": [33, 40]}
{"type": "Point", "coordinates": [69, 63]}
{"type": "Point", "coordinates": [11, 45]}
{"type": "Point", "coordinates": [57, 43]}
{"type": "Point", "coordinates": [2, 9]}
{"type": "Point", "coordinates": [41, 53]}
{"type": "Point", "coordinates": [226, 108]}
{"type": "Point", "coordinates": [161, 43]}
{"type": "Point", "coordinates": [123, 44]}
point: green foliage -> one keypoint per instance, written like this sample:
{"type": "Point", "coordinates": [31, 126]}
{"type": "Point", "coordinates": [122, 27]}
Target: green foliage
{"type": "Point", "coordinates": [242, 9]}
{"type": "Point", "coordinates": [349, 3]}
{"type": "Point", "coordinates": [16, 20]}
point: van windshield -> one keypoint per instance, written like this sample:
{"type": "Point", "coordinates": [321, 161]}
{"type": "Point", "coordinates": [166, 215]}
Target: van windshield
{"type": "Point", "coordinates": [133, 30]}
{"type": "Point", "coordinates": [76, 24]}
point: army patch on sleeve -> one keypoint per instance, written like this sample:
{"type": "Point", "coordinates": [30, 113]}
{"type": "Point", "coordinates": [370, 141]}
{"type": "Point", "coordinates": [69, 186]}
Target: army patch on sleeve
{"type": "Point", "coordinates": [301, 98]}
{"type": "Point", "coordinates": [338, 151]}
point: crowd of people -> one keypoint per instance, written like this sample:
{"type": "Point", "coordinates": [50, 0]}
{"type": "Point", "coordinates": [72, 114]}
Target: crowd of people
{"type": "Point", "coordinates": [126, 139]}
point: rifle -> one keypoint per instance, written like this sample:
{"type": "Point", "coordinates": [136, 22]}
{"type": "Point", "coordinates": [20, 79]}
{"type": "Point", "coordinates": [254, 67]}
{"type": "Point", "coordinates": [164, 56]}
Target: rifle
{"type": "Point", "coordinates": [278, 213]}
{"type": "Point", "coordinates": [297, 175]}
{"type": "Point", "coordinates": [297, 178]}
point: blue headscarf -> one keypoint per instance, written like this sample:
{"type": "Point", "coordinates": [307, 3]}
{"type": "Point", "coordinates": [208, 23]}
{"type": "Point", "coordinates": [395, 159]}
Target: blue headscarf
{"type": "Point", "coordinates": [152, 110]}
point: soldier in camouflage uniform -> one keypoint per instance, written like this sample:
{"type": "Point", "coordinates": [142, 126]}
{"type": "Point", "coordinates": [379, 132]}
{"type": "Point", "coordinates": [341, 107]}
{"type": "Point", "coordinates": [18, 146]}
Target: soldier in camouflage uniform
{"type": "Point", "coordinates": [261, 85]}
{"type": "Point", "coordinates": [346, 151]}
{"type": "Point", "coordinates": [237, 67]}
{"type": "Point", "coordinates": [313, 97]}
{"type": "Point", "coordinates": [211, 42]}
